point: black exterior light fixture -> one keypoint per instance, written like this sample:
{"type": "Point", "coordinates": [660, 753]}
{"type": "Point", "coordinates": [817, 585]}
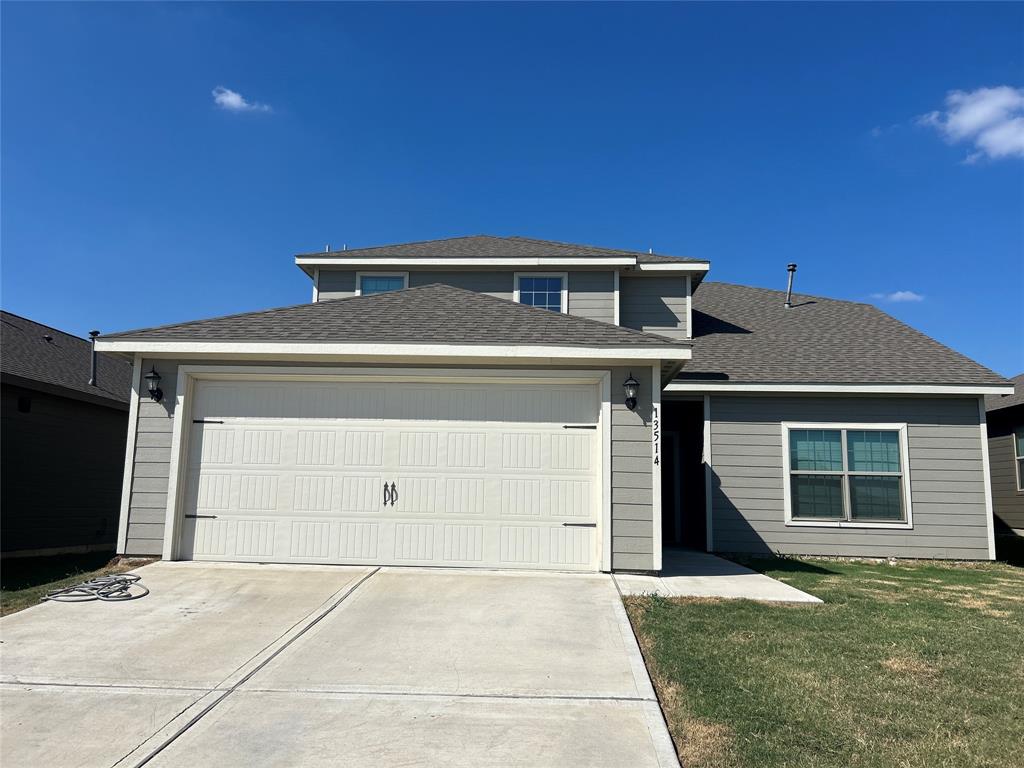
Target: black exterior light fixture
{"type": "Point", "coordinates": [153, 383]}
{"type": "Point", "coordinates": [631, 387]}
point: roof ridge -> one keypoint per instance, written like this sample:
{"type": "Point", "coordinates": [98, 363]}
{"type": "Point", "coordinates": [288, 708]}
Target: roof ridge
{"type": "Point", "coordinates": [783, 293]}
{"type": "Point", "coordinates": [479, 298]}
{"type": "Point", "coordinates": [396, 245]}
{"type": "Point", "coordinates": [44, 325]}
{"type": "Point", "coordinates": [564, 244]}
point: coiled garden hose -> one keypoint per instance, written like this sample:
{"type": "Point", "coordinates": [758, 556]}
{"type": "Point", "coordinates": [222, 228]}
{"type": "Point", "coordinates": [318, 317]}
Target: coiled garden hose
{"type": "Point", "coordinates": [112, 588]}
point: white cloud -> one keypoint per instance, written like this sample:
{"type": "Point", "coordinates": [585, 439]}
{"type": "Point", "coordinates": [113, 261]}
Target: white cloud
{"type": "Point", "coordinates": [898, 296]}
{"type": "Point", "coordinates": [233, 101]}
{"type": "Point", "coordinates": [992, 119]}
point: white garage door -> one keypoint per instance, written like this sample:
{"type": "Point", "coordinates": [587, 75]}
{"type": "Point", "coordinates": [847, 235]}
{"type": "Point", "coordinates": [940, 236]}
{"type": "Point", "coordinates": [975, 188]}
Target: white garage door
{"type": "Point", "coordinates": [460, 474]}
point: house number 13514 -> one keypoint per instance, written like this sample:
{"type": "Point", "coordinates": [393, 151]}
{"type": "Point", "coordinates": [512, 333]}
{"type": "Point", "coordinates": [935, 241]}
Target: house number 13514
{"type": "Point", "coordinates": [656, 436]}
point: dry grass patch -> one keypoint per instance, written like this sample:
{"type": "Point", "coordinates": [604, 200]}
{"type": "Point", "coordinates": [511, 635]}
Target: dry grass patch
{"type": "Point", "coordinates": [909, 665]}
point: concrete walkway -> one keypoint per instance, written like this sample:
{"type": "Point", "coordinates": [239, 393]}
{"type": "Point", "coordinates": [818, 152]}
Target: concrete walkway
{"type": "Point", "coordinates": [688, 573]}
{"type": "Point", "coordinates": [246, 665]}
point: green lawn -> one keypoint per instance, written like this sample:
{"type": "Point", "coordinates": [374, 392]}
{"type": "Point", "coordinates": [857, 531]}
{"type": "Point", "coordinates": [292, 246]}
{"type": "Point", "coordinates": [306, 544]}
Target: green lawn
{"type": "Point", "coordinates": [913, 664]}
{"type": "Point", "coordinates": [23, 581]}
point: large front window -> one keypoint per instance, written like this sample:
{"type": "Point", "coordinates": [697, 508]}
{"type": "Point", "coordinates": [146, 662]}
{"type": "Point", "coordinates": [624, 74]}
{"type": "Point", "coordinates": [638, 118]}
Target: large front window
{"type": "Point", "coordinates": [370, 284]}
{"type": "Point", "coordinates": [546, 291]}
{"type": "Point", "coordinates": [846, 475]}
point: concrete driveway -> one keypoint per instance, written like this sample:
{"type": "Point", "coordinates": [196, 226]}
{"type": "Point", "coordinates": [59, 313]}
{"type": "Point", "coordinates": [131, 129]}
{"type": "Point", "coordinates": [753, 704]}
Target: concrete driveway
{"type": "Point", "coordinates": [262, 665]}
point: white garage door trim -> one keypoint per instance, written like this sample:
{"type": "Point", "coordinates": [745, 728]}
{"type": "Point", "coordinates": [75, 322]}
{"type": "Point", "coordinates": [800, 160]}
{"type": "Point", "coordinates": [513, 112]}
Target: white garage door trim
{"type": "Point", "coordinates": [188, 375]}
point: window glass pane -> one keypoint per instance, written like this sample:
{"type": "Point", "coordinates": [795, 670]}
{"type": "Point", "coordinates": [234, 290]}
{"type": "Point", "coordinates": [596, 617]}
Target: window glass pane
{"type": "Point", "coordinates": [370, 284]}
{"type": "Point", "coordinates": [815, 449]}
{"type": "Point", "coordinates": [873, 451]}
{"type": "Point", "coordinates": [817, 496]}
{"type": "Point", "coordinates": [543, 292]}
{"type": "Point", "coordinates": [1018, 438]}
{"type": "Point", "coordinates": [875, 498]}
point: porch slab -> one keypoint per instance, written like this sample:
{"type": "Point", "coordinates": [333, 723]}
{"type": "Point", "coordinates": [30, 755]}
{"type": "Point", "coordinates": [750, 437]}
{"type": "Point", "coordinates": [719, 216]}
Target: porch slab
{"type": "Point", "coordinates": [688, 573]}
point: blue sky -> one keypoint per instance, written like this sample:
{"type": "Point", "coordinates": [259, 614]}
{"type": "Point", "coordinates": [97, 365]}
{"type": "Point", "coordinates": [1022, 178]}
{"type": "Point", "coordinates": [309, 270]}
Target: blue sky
{"type": "Point", "coordinates": [877, 145]}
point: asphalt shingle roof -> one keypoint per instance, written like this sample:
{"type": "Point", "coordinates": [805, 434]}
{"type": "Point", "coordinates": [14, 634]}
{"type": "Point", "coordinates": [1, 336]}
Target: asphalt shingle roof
{"type": "Point", "coordinates": [491, 247]}
{"type": "Point", "coordinates": [744, 334]}
{"type": "Point", "coordinates": [63, 361]}
{"type": "Point", "coordinates": [431, 314]}
{"type": "Point", "coordinates": [998, 402]}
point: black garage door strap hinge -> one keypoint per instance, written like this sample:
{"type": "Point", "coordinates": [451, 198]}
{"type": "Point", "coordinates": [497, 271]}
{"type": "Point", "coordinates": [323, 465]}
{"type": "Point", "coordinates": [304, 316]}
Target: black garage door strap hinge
{"type": "Point", "coordinates": [206, 421]}
{"type": "Point", "coordinates": [579, 426]}
{"type": "Point", "coordinates": [580, 525]}
{"type": "Point", "coordinates": [201, 517]}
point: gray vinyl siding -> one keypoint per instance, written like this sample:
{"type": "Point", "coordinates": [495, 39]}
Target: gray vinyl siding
{"type": "Point", "coordinates": [1007, 501]}
{"type": "Point", "coordinates": [654, 304]}
{"type": "Point", "coordinates": [591, 294]}
{"type": "Point", "coordinates": [336, 283]}
{"type": "Point", "coordinates": [60, 478]}
{"type": "Point", "coordinates": [632, 476]}
{"type": "Point", "coordinates": [147, 503]}
{"type": "Point", "coordinates": [946, 466]}
{"type": "Point", "coordinates": [497, 284]}
{"type": "Point", "coordinates": [631, 468]}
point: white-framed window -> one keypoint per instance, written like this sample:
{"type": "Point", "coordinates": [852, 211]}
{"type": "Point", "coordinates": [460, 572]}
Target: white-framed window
{"type": "Point", "coordinates": [846, 475]}
{"type": "Point", "coordinates": [1018, 455]}
{"type": "Point", "coordinates": [547, 290]}
{"type": "Point", "coordinates": [369, 283]}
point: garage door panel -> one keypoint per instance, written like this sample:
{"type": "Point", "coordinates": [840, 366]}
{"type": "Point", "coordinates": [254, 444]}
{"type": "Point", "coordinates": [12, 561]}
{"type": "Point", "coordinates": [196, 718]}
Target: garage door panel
{"type": "Point", "coordinates": [304, 481]}
{"type": "Point", "coordinates": [362, 448]}
{"type": "Point", "coordinates": [361, 494]}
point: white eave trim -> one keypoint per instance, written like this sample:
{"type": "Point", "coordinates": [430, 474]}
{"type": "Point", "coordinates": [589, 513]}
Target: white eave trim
{"type": "Point", "coordinates": [880, 389]}
{"type": "Point", "coordinates": [686, 266]}
{"type": "Point", "coordinates": [287, 349]}
{"type": "Point", "coordinates": [470, 261]}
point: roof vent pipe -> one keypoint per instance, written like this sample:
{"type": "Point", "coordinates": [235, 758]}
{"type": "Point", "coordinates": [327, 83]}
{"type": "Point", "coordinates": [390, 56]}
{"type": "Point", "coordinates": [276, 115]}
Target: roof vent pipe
{"type": "Point", "coordinates": [791, 268]}
{"type": "Point", "coordinates": [92, 365]}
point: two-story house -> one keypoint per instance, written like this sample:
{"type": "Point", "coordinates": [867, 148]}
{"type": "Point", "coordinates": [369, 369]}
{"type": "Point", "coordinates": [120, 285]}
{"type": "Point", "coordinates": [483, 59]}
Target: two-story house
{"type": "Point", "coordinates": [516, 403]}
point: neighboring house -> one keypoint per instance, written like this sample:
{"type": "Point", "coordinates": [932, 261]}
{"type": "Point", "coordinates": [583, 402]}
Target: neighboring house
{"type": "Point", "coordinates": [1006, 455]}
{"type": "Point", "coordinates": [63, 441]}
{"type": "Point", "coordinates": [418, 412]}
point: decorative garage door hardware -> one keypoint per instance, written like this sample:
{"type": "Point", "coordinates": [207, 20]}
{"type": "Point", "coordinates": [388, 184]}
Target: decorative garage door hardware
{"type": "Point", "coordinates": [390, 496]}
{"type": "Point", "coordinates": [206, 421]}
{"type": "Point", "coordinates": [579, 426]}
{"type": "Point", "coordinates": [112, 589]}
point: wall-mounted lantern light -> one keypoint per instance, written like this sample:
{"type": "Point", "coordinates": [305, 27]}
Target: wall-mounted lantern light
{"type": "Point", "coordinates": [153, 383]}
{"type": "Point", "coordinates": [631, 386]}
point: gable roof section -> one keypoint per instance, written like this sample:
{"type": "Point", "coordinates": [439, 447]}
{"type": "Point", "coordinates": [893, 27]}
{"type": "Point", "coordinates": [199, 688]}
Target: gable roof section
{"type": "Point", "coordinates": [26, 357]}
{"type": "Point", "coordinates": [746, 335]}
{"type": "Point", "coordinates": [491, 247]}
{"type": "Point", "coordinates": [429, 315]}
{"type": "Point", "coordinates": [998, 402]}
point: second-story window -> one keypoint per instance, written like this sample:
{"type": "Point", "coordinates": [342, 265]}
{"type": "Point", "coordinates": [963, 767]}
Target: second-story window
{"type": "Point", "coordinates": [369, 283]}
{"type": "Point", "coordinates": [544, 290]}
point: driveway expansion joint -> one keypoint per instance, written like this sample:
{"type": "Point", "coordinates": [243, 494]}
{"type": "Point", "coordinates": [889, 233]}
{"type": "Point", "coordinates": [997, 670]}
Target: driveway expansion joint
{"type": "Point", "coordinates": [347, 591]}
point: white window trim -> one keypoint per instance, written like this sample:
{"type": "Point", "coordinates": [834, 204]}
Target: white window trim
{"type": "Point", "coordinates": [565, 286]}
{"type": "Point", "coordinates": [316, 285]}
{"type": "Point", "coordinates": [374, 273]}
{"type": "Point", "coordinates": [904, 464]}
